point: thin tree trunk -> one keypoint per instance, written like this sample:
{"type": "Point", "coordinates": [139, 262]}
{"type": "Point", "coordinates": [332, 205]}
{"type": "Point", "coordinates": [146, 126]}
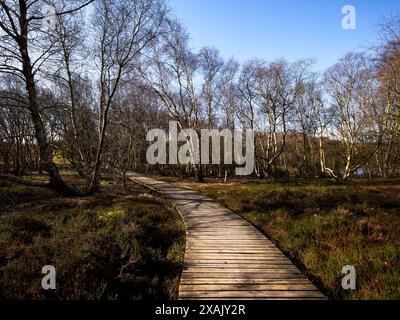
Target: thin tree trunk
{"type": "Point", "coordinates": [46, 154]}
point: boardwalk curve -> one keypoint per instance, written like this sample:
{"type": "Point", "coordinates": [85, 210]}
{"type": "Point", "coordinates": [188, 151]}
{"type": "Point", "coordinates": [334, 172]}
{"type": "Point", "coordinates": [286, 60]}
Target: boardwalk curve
{"type": "Point", "coordinates": [227, 257]}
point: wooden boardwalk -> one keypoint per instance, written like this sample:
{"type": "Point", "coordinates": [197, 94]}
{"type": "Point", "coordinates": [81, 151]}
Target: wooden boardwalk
{"type": "Point", "coordinates": [227, 257]}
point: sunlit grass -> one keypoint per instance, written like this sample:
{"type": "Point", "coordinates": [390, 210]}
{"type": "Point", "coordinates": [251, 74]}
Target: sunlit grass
{"type": "Point", "coordinates": [322, 227]}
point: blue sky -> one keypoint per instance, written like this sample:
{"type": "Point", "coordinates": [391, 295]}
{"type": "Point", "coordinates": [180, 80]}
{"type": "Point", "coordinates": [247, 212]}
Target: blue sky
{"type": "Point", "coordinates": [271, 29]}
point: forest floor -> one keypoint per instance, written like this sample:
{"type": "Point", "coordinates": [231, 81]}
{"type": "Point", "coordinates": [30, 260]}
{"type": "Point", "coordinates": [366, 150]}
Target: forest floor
{"type": "Point", "coordinates": [323, 226]}
{"type": "Point", "coordinates": [110, 245]}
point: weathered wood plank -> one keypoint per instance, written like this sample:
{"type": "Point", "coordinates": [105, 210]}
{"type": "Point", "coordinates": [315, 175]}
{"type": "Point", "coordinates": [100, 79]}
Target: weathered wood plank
{"type": "Point", "coordinates": [250, 256]}
{"type": "Point", "coordinates": [227, 269]}
{"type": "Point", "coordinates": [240, 276]}
{"type": "Point", "coordinates": [252, 294]}
{"type": "Point", "coordinates": [229, 243]}
{"type": "Point", "coordinates": [237, 261]}
{"type": "Point", "coordinates": [195, 250]}
{"type": "Point", "coordinates": [248, 287]}
{"type": "Point", "coordinates": [254, 298]}
{"type": "Point", "coordinates": [250, 252]}
{"type": "Point", "coordinates": [241, 265]}
{"type": "Point", "coordinates": [236, 247]}
{"type": "Point", "coordinates": [288, 281]}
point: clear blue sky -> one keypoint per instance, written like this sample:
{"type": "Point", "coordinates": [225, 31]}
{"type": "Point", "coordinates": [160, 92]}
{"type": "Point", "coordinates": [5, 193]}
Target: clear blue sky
{"type": "Point", "coordinates": [271, 29]}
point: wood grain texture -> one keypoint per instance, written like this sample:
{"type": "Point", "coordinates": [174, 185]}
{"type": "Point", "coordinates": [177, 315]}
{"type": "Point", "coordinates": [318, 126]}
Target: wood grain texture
{"type": "Point", "coordinates": [227, 257]}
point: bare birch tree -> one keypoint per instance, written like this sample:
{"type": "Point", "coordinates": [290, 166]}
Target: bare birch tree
{"type": "Point", "coordinates": [22, 56]}
{"type": "Point", "coordinates": [123, 29]}
{"type": "Point", "coordinates": [351, 87]}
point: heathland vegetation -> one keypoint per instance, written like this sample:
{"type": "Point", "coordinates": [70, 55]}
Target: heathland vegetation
{"type": "Point", "coordinates": [78, 97]}
{"type": "Point", "coordinates": [323, 226]}
{"type": "Point", "coordinates": [111, 245]}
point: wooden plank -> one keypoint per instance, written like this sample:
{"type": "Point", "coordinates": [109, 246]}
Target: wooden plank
{"type": "Point", "coordinates": [219, 234]}
{"type": "Point", "coordinates": [223, 232]}
{"type": "Point", "coordinates": [224, 241]}
{"type": "Point", "coordinates": [240, 276]}
{"type": "Point", "coordinates": [253, 258]}
{"type": "Point", "coordinates": [228, 251]}
{"type": "Point", "coordinates": [266, 269]}
{"type": "Point", "coordinates": [192, 244]}
{"type": "Point", "coordinates": [238, 250]}
{"type": "Point", "coordinates": [247, 287]}
{"type": "Point", "coordinates": [228, 243]}
{"type": "Point", "coordinates": [250, 256]}
{"type": "Point", "coordinates": [196, 250]}
{"type": "Point", "coordinates": [216, 255]}
{"type": "Point", "coordinates": [227, 236]}
{"type": "Point", "coordinates": [251, 294]}
{"type": "Point", "coordinates": [190, 281]}
{"type": "Point", "coordinates": [253, 298]}
{"type": "Point", "coordinates": [233, 238]}
{"type": "Point", "coordinates": [222, 229]}
{"type": "Point", "coordinates": [241, 265]}
{"type": "Point", "coordinates": [238, 261]}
